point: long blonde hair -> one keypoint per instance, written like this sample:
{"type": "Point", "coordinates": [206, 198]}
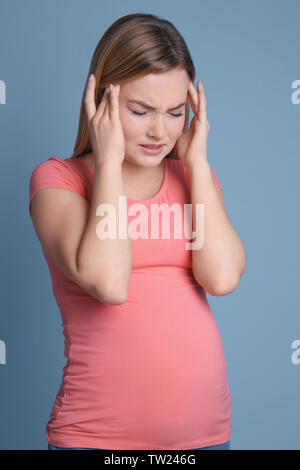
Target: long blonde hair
{"type": "Point", "coordinates": [132, 47]}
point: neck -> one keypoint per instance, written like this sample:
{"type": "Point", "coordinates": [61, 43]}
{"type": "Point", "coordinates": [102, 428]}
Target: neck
{"type": "Point", "coordinates": [130, 168]}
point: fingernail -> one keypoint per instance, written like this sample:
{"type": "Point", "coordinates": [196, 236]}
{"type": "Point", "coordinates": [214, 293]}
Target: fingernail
{"type": "Point", "coordinates": [110, 87]}
{"type": "Point", "coordinates": [91, 77]}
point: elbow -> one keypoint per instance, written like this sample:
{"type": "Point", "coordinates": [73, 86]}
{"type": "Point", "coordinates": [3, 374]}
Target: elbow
{"type": "Point", "coordinates": [112, 293]}
{"type": "Point", "coordinates": [225, 283]}
{"type": "Point", "coordinates": [224, 286]}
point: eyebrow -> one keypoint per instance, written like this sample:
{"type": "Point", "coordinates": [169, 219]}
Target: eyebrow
{"type": "Point", "coordinates": [147, 106]}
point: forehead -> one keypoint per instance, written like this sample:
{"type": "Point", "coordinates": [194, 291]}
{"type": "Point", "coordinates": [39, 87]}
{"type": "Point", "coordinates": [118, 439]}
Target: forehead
{"type": "Point", "coordinates": [169, 88]}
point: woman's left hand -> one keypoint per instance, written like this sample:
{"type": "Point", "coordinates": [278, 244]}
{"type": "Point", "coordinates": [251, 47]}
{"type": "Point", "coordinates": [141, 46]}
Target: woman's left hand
{"type": "Point", "coordinates": [191, 147]}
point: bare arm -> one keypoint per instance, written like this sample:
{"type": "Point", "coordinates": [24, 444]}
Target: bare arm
{"type": "Point", "coordinates": [66, 224]}
{"type": "Point", "coordinates": [106, 261]}
{"type": "Point", "coordinates": [221, 261]}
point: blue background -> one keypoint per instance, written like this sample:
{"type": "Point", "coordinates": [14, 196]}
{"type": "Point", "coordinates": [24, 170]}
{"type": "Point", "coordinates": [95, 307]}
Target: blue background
{"type": "Point", "coordinates": [247, 55]}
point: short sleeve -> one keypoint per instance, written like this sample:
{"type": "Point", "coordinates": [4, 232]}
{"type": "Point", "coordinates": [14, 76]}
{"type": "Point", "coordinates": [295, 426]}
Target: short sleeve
{"type": "Point", "coordinates": [214, 177]}
{"type": "Point", "coordinates": [54, 173]}
{"type": "Point", "coordinates": [216, 181]}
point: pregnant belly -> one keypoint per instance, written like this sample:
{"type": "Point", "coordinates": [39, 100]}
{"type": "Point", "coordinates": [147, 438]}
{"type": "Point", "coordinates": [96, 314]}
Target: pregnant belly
{"type": "Point", "coordinates": [149, 371]}
{"type": "Point", "coordinates": [169, 369]}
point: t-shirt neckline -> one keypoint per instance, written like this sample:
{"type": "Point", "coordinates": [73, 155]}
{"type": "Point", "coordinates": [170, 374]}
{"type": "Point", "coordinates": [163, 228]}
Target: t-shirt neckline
{"type": "Point", "coordinates": [158, 195]}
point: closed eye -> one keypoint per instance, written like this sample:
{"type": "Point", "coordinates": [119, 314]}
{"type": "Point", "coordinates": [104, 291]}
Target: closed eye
{"type": "Point", "coordinates": [142, 114]}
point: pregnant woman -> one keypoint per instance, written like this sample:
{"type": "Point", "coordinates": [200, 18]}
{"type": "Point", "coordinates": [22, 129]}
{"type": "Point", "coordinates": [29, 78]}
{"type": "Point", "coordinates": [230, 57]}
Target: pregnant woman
{"type": "Point", "coordinates": [135, 232]}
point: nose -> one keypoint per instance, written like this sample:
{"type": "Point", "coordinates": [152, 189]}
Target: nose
{"type": "Point", "coordinates": [156, 128]}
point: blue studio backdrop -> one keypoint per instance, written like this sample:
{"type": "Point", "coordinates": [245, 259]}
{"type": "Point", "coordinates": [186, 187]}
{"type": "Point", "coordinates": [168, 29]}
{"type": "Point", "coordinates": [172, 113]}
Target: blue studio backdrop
{"type": "Point", "coordinates": [246, 53]}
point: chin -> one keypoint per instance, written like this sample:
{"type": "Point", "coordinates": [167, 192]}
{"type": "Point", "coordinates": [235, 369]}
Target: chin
{"type": "Point", "coordinates": [146, 160]}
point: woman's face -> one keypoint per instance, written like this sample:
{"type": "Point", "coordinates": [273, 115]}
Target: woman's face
{"type": "Point", "coordinates": [161, 125]}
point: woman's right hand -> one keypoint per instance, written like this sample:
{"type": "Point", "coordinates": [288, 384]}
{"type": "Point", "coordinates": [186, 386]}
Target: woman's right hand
{"type": "Point", "coordinates": [104, 125]}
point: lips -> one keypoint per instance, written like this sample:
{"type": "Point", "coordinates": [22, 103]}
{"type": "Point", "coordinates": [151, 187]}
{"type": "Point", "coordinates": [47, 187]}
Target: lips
{"type": "Point", "coordinates": [152, 150]}
{"type": "Point", "coordinates": [152, 146]}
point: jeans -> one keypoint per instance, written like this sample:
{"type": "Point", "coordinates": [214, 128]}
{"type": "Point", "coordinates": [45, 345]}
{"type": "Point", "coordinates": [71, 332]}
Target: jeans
{"type": "Point", "coordinates": [223, 446]}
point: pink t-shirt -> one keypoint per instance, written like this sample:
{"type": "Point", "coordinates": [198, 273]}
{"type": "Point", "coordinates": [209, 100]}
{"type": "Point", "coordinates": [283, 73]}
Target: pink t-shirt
{"type": "Point", "coordinates": [149, 373]}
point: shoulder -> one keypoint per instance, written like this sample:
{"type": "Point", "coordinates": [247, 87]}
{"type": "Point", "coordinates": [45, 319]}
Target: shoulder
{"type": "Point", "coordinates": [58, 169]}
{"type": "Point", "coordinates": [56, 173]}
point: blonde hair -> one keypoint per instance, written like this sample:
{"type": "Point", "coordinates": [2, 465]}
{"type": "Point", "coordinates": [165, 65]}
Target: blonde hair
{"type": "Point", "coordinates": [132, 47]}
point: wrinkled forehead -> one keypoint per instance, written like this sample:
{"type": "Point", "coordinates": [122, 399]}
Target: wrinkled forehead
{"type": "Point", "coordinates": [167, 88]}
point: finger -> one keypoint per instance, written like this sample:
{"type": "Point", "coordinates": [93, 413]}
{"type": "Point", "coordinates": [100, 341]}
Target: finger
{"type": "Point", "coordinates": [204, 95]}
{"type": "Point", "coordinates": [106, 112]}
{"type": "Point", "coordinates": [114, 103]}
{"type": "Point", "coordinates": [117, 89]}
{"type": "Point", "coordinates": [89, 98]}
{"type": "Point", "coordinates": [193, 97]}
{"type": "Point", "coordinates": [110, 102]}
{"type": "Point", "coordinates": [102, 105]}
{"type": "Point", "coordinates": [202, 102]}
